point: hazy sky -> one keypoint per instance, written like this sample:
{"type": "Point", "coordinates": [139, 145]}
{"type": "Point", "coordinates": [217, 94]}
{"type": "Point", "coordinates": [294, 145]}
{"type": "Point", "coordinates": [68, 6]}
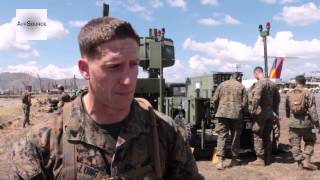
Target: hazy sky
{"type": "Point", "coordinates": [209, 35]}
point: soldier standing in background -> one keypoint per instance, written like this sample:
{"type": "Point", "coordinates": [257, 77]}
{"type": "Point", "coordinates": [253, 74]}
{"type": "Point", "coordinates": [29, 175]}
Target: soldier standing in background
{"type": "Point", "coordinates": [229, 100]}
{"type": "Point", "coordinates": [63, 97]}
{"type": "Point", "coordinates": [264, 99]}
{"type": "Point", "coordinates": [303, 117]}
{"type": "Point", "coordinates": [26, 103]}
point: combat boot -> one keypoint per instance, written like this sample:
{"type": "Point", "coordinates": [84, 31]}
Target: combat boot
{"type": "Point", "coordinates": [234, 162]}
{"type": "Point", "coordinates": [258, 162]}
{"type": "Point", "coordinates": [308, 165]}
{"type": "Point", "coordinates": [220, 165]}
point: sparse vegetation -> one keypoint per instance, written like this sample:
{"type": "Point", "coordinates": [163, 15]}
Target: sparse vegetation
{"type": "Point", "coordinates": [283, 167]}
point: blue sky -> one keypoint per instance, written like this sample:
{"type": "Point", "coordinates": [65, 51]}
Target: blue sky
{"type": "Point", "coordinates": [209, 35]}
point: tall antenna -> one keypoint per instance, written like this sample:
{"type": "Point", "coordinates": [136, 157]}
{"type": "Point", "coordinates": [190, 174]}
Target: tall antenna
{"type": "Point", "coordinates": [238, 66]}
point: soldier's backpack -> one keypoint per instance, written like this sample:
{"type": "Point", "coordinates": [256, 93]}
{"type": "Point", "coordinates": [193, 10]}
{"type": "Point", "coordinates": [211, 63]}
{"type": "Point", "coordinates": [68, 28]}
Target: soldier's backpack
{"type": "Point", "coordinates": [297, 99]}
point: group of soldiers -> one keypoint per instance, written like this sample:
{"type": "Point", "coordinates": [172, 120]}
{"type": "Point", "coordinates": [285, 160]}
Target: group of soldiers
{"type": "Point", "coordinates": [54, 104]}
{"type": "Point", "coordinates": [262, 103]}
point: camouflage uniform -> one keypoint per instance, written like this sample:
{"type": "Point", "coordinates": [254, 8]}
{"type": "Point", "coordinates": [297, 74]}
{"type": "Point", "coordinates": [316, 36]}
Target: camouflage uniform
{"type": "Point", "coordinates": [100, 156]}
{"type": "Point", "coordinates": [26, 103]}
{"type": "Point", "coordinates": [264, 99]}
{"type": "Point", "coordinates": [300, 126]}
{"type": "Point", "coordinates": [229, 100]}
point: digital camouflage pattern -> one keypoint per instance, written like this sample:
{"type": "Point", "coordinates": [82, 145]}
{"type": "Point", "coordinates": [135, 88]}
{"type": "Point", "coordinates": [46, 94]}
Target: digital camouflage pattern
{"type": "Point", "coordinates": [295, 137]}
{"type": "Point", "coordinates": [230, 99]}
{"type": "Point", "coordinates": [222, 128]}
{"type": "Point", "coordinates": [40, 154]}
{"type": "Point", "coordinates": [300, 127]}
{"type": "Point", "coordinates": [264, 100]}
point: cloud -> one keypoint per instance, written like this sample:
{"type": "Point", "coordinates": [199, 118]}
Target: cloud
{"type": "Point", "coordinates": [8, 41]}
{"type": "Point", "coordinates": [218, 19]}
{"type": "Point", "coordinates": [23, 48]}
{"type": "Point", "coordinates": [294, 67]}
{"type": "Point", "coordinates": [224, 54]}
{"type": "Point", "coordinates": [196, 66]}
{"type": "Point", "coordinates": [156, 3]}
{"type": "Point", "coordinates": [25, 55]}
{"type": "Point", "coordinates": [143, 9]}
{"type": "Point", "coordinates": [49, 71]}
{"type": "Point", "coordinates": [279, 1]}
{"type": "Point", "coordinates": [178, 3]}
{"type": "Point", "coordinates": [140, 10]}
{"type": "Point", "coordinates": [221, 48]}
{"type": "Point", "coordinates": [176, 73]}
{"type": "Point", "coordinates": [282, 44]}
{"type": "Point", "coordinates": [56, 29]}
{"type": "Point", "coordinates": [210, 2]}
{"type": "Point", "coordinates": [230, 20]}
{"type": "Point", "coordinates": [77, 23]}
{"type": "Point", "coordinates": [303, 15]}
{"type": "Point", "coordinates": [209, 21]}
{"type": "Point", "coordinates": [309, 65]}
{"type": "Point", "coordinates": [99, 3]}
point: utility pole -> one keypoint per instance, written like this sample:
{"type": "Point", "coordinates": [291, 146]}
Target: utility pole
{"type": "Point", "coordinates": [40, 83]}
{"type": "Point", "coordinates": [264, 34]}
{"type": "Point", "coordinates": [161, 69]}
{"type": "Point", "coordinates": [74, 82]}
{"type": "Point", "coordinates": [237, 67]}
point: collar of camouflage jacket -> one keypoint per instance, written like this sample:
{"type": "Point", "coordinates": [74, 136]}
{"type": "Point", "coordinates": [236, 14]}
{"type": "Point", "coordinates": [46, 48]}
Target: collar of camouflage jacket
{"type": "Point", "coordinates": [79, 127]}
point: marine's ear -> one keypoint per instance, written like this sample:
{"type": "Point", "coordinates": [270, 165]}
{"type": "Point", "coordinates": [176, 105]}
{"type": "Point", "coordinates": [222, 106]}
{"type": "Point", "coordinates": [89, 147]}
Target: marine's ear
{"type": "Point", "coordinates": [84, 68]}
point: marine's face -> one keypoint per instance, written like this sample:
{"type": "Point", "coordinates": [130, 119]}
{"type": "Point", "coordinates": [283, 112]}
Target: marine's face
{"type": "Point", "coordinates": [257, 74]}
{"type": "Point", "coordinates": [112, 77]}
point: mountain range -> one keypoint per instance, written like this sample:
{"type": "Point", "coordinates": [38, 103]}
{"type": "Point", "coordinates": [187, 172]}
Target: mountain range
{"type": "Point", "coordinates": [18, 81]}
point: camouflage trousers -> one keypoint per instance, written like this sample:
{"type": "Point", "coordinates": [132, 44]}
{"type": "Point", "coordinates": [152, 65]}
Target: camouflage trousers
{"type": "Point", "coordinates": [261, 130]}
{"type": "Point", "coordinates": [223, 127]}
{"type": "Point", "coordinates": [309, 138]}
{"type": "Point", "coordinates": [26, 111]}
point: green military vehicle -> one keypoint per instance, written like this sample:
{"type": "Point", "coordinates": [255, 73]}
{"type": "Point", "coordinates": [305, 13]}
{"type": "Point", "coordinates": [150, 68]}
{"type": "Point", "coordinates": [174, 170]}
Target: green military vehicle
{"type": "Point", "coordinates": [156, 53]}
{"type": "Point", "coordinates": [190, 103]}
{"type": "Point", "coordinates": [195, 111]}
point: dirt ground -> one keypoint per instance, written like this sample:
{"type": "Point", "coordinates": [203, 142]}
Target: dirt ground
{"type": "Point", "coordinates": [283, 167]}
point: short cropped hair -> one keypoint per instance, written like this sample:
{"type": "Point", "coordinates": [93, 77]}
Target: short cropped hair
{"type": "Point", "coordinates": [301, 80]}
{"type": "Point", "coordinates": [236, 75]}
{"type": "Point", "coordinates": [258, 68]}
{"type": "Point", "coordinates": [101, 30]}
